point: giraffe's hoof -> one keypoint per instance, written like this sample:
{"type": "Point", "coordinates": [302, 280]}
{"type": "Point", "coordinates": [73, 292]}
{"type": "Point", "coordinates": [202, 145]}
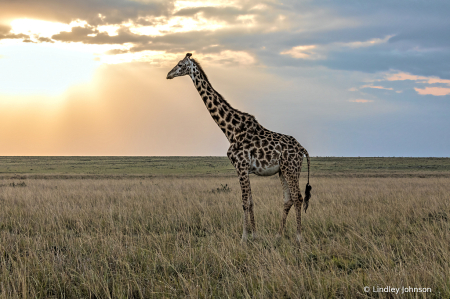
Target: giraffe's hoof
{"type": "Point", "coordinates": [255, 236]}
{"type": "Point", "coordinates": [299, 239]}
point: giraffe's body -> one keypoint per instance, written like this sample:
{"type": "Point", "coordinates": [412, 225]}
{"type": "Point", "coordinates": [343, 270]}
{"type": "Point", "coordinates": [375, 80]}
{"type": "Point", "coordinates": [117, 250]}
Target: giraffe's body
{"type": "Point", "coordinates": [253, 148]}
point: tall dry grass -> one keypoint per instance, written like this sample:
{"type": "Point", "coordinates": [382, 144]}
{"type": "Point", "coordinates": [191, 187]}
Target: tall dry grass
{"type": "Point", "coordinates": [164, 238]}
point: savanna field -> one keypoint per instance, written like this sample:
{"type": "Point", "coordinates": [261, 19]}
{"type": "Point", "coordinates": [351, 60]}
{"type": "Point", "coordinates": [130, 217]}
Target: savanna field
{"type": "Point", "coordinates": [160, 227]}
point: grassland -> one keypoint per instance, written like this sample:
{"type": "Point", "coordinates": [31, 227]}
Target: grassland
{"type": "Point", "coordinates": [98, 230]}
{"type": "Point", "coordinates": [145, 167]}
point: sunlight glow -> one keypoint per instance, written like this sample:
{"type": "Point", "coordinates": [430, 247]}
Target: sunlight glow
{"type": "Point", "coordinates": [154, 57]}
{"type": "Point", "coordinates": [32, 69]}
{"type": "Point", "coordinates": [38, 27]}
{"type": "Point", "coordinates": [110, 29]}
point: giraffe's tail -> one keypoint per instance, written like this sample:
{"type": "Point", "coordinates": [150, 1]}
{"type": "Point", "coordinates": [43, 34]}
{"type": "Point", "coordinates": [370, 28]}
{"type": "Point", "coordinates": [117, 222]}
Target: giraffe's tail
{"type": "Point", "coordinates": [308, 186]}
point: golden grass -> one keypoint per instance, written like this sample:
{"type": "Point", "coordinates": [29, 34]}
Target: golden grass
{"type": "Point", "coordinates": [165, 238]}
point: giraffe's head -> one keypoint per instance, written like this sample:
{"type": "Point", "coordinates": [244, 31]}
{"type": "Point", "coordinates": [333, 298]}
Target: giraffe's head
{"type": "Point", "coordinates": [182, 68]}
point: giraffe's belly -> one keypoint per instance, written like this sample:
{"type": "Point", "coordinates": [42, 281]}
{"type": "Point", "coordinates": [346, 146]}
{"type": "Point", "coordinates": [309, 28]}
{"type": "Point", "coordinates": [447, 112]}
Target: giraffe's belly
{"type": "Point", "coordinates": [268, 170]}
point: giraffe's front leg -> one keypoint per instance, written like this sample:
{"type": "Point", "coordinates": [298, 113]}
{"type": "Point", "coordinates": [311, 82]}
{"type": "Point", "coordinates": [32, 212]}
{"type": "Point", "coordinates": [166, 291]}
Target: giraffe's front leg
{"type": "Point", "coordinates": [250, 212]}
{"type": "Point", "coordinates": [247, 204]}
{"type": "Point", "coordinates": [242, 168]}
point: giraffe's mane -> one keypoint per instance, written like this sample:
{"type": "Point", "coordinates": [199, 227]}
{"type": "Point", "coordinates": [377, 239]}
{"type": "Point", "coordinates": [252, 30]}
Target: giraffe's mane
{"type": "Point", "coordinates": [207, 80]}
{"type": "Point", "coordinates": [200, 69]}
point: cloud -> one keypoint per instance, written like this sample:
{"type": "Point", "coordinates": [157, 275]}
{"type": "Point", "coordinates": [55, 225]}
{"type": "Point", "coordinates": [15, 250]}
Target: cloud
{"type": "Point", "coordinates": [362, 44]}
{"type": "Point", "coordinates": [303, 52]}
{"type": "Point", "coordinates": [419, 79]}
{"type": "Point", "coordinates": [66, 11]}
{"type": "Point", "coordinates": [327, 51]}
{"type": "Point", "coordinates": [368, 38]}
{"type": "Point", "coordinates": [379, 36]}
{"type": "Point", "coordinates": [377, 87]}
{"type": "Point", "coordinates": [228, 14]}
{"type": "Point", "coordinates": [45, 40]}
{"type": "Point", "coordinates": [90, 35]}
{"type": "Point", "coordinates": [5, 33]}
{"type": "Point", "coordinates": [435, 91]}
{"type": "Point", "coordinates": [422, 80]}
{"type": "Point", "coordinates": [361, 101]}
{"type": "Point", "coordinates": [229, 57]}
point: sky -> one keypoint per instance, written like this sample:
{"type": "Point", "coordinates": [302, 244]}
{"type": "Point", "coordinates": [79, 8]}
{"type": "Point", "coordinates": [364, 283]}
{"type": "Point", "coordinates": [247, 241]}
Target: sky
{"type": "Point", "coordinates": [345, 78]}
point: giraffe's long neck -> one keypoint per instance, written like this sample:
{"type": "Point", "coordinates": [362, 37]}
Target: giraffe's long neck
{"type": "Point", "coordinates": [226, 117]}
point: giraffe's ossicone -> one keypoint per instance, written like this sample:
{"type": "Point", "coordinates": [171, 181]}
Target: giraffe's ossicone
{"type": "Point", "coordinates": [253, 148]}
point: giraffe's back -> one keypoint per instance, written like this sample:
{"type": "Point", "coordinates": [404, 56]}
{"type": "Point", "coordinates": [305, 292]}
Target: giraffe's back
{"type": "Point", "coordinates": [267, 150]}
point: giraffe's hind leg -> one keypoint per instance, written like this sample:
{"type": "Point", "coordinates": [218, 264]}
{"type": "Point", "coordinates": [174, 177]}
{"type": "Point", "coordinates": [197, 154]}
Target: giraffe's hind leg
{"type": "Point", "coordinates": [298, 208]}
{"type": "Point", "coordinates": [287, 204]}
{"type": "Point", "coordinates": [291, 174]}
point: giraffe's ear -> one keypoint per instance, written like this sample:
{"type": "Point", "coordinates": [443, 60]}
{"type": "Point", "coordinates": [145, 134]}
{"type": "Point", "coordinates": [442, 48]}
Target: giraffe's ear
{"type": "Point", "coordinates": [188, 54]}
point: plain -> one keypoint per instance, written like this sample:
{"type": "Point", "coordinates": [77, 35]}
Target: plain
{"type": "Point", "coordinates": [165, 236]}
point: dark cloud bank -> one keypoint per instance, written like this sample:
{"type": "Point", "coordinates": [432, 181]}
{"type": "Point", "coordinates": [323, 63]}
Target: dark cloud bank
{"type": "Point", "coordinates": [419, 30]}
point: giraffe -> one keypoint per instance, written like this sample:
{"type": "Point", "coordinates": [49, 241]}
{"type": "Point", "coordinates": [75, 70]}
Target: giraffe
{"type": "Point", "coordinates": [253, 149]}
